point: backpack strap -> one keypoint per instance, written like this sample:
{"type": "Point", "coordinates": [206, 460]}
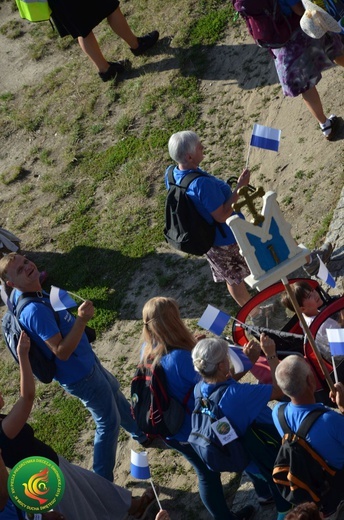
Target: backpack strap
{"type": "Point", "coordinates": [187, 179]}
{"type": "Point", "coordinates": [306, 424]}
{"type": "Point", "coordinates": [29, 297]}
{"type": "Point", "coordinates": [214, 398]}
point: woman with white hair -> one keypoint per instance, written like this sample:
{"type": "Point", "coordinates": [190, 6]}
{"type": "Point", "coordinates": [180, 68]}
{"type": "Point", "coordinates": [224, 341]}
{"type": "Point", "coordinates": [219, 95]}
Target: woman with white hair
{"type": "Point", "coordinates": [243, 404]}
{"type": "Point", "coordinates": [213, 199]}
{"type": "Point", "coordinates": [167, 341]}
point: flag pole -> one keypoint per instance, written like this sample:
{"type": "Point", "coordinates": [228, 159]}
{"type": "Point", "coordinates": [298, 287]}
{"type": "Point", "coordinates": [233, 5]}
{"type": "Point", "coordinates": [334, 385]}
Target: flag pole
{"type": "Point", "coordinates": [334, 370]}
{"type": "Point", "coordinates": [155, 493]}
{"type": "Point", "coordinates": [248, 156]}
{"type": "Point", "coordinates": [76, 296]}
{"type": "Point", "coordinates": [308, 333]}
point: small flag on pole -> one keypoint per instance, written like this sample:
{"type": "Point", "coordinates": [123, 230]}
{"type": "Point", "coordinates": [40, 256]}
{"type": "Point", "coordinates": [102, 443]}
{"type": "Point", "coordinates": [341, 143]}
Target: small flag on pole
{"type": "Point", "coordinates": [336, 341]}
{"type": "Point", "coordinates": [214, 320]}
{"type": "Point", "coordinates": [265, 137]}
{"type": "Point", "coordinates": [240, 362]}
{"type": "Point", "coordinates": [6, 299]}
{"type": "Point", "coordinates": [325, 275]}
{"type": "Point", "coordinates": [139, 465]}
{"type": "Point", "coordinates": [60, 299]}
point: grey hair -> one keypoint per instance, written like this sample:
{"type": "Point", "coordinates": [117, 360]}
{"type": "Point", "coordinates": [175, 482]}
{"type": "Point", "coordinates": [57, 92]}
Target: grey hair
{"type": "Point", "coordinates": [207, 354]}
{"type": "Point", "coordinates": [291, 375]}
{"type": "Point", "coordinates": [182, 143]}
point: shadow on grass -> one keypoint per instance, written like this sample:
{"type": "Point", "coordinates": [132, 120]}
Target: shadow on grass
{"type": "Point", "coordinates": [246, 64]}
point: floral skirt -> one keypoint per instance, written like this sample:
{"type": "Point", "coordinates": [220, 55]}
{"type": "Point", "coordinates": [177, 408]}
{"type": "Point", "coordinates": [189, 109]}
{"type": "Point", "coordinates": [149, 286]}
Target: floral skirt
{"type": "Point", "coordinates": [300, 62]}
{"type": "Point", "coordinates": [227, 264]}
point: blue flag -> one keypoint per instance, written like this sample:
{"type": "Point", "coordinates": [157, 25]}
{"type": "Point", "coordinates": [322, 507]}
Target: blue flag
{"type": "Point", "coordinates": [325, 275]}
{"type": "Point", "coordinates": [240, 362]}
{"type": "Point", "coordinates": [60, 299]}
{"type": "Point", "coordinates": [139, 465]}
{"type": "Point", "coordinates": [265, 137]}
{"type": "Point", "coordinates": [214, 320]}
{"type": "Point", "coordinates": [336, 341]}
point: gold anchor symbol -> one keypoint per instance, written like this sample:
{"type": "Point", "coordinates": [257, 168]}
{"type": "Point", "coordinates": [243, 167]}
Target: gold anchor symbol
{"type": "Point", "coordinates": [246, 193]}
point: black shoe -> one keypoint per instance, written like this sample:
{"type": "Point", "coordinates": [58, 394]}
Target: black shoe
{"type": "Point", "coordinates": [115, 67]}
{"type": "Point", "coordinates": [246, 513]}
{"type": "Point", "coordinates": [145, 43]}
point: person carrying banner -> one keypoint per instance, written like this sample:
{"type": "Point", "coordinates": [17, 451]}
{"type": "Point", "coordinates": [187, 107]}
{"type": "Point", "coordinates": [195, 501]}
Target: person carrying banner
{"type": "Point", "coordinates": [310, 302]}
{"type": "Point", "coordinates": [78, 370]}
{"type": "Point", "coordinates": [213, 199]}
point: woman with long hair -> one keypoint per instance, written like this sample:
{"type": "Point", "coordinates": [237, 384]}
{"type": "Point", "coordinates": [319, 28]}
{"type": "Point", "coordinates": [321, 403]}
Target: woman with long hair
{"type": "Point", "coordinates": [168, 342]}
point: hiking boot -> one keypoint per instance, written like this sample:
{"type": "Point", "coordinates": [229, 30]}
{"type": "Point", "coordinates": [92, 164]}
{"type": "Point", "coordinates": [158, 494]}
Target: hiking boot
{"type": "Point", "coordinates": [324, 252]}
{"type": "Point", "coordinates": [115, 67]}
{"type": "Point", "coordinates": [246, 513]}
{"type": "Point", "coordinates": [145, 43]}
{"type": "Point", "coordinates": [330, 129]}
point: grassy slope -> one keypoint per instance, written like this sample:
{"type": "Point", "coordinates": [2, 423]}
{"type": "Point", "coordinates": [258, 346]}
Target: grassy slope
{"type": "Point", "coordinates": [95, 205]}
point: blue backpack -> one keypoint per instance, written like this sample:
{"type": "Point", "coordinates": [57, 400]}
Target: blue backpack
{"type": "Point", "coordinates": [43, 368]}
{"type": "Point", "coordinates": [229, 457]}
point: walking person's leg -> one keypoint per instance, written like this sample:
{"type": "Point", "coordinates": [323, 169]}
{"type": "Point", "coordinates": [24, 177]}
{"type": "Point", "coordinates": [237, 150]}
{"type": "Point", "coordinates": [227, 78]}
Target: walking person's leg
{"type": "Point", "coordinates": [96, 394]}
{"type": "Point", "coordinates": [210, 486]}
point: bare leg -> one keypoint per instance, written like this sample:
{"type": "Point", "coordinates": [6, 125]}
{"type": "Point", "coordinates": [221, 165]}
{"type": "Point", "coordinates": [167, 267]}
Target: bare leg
{"type": "Point", "coordinates": [91, 48]}
{"type": "Point", "coordinates": [120, 26]}
{"type": "Point", "coordinates": [312, 100]}
{"type": "Point", "coordinates": [239, 293]}
{"type": "Point", "coordinates": [340, 60]}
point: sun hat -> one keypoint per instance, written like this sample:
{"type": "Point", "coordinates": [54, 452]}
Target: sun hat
{"type": "Point", "coordinates": [315, 22]}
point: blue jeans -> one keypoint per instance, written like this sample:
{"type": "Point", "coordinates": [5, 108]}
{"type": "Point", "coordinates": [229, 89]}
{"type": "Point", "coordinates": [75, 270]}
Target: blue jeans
{"type": "Point", "coordinates": [100, 393]}
{"type": "Point", "coordinates": [209, 482]}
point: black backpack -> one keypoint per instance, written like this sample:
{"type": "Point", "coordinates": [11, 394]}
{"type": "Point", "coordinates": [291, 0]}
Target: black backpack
{"type": "Point", "coordinates": [185, 228]}
{"type": "Point", "coordinates": [155, 412]}
{"type": "Point", "coordinates": [43, 368]}
{"type": "Point", "coordinates": [266, 22]}
{"type": "Point", "coordinates": [217, 457]}
{"type": "Point", "coordinates": [300, 473]}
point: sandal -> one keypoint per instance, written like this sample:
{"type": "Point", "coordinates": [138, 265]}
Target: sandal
{"type": "Point", "coordinates": [146, 501]}
{"type": "Point", "coordinates": [332, 126]}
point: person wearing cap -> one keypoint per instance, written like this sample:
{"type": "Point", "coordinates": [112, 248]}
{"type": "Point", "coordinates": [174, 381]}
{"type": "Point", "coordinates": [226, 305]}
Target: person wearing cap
{"type": "Point", "coordinates": [312, 48]}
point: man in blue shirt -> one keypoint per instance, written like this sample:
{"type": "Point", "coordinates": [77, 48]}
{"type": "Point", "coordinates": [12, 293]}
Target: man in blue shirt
{"type": "Point", "coordinates": [78, 370]}
{"type": "Point", "coordinates": [295, 378]}
{"type": "Point", "coordinates": [213, 199]}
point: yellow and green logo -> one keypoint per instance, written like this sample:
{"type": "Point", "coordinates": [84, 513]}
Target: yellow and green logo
{"type": "Point", "coordinates": [36, 484]}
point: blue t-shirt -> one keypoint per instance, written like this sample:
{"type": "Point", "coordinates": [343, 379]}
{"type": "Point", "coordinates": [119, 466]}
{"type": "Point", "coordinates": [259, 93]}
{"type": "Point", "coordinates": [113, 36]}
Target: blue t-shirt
{"type": "Point", "coordinates": [243, 403]}
{"type": "Point", "coordinates": [207, 193]}
{"type": "Point", "coordinates": [40, 323]}
{"type": "Point", "coordinates": [325, 436]}
{"type": "Point", "coordinates": [181, 379]}
{"type": "Point", "coordinates": [286, 5]}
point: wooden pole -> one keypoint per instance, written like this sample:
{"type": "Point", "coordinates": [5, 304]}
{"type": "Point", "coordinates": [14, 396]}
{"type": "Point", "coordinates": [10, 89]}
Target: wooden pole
{"type": "Point", "coordinates": [308, 334]}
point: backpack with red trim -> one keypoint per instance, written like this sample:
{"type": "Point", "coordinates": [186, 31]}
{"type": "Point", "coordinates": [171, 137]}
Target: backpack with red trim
{"type": "Point", "coordinates": [300, 473]}
{"type": "Point", "coordinates": [266, 22]}
{"type": "Point", "coordinates": [155, 411]}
